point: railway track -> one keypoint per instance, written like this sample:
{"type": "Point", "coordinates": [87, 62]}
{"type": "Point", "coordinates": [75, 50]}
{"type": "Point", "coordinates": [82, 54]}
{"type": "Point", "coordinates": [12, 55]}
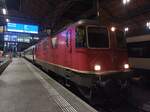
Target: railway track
{"type": "Point", "coordinates": [125, 107]}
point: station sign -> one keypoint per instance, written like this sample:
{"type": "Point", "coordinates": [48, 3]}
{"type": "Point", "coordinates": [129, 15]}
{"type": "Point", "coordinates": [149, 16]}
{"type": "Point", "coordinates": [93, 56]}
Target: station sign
{"type": "Point", "coordinates": [22, 28]}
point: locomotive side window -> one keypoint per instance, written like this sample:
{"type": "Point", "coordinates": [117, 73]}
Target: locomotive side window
{"type": "Point", "coordinates": [80, 37]}
{"type": "Point", "coordinates": [45, 45]}
{"type": "Point", "coordinates": [121, 42]}
{"type": "Point", "coordinates": [68, 36]}
{"type": "Point", "coordinates": [54, 42]}
{"type": "Point", "coordinates": [98, 37]}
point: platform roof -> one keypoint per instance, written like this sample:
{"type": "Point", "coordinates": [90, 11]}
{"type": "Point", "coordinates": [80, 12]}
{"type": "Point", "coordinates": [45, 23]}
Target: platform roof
{"type": "Point", "coordinates": [57, 13]}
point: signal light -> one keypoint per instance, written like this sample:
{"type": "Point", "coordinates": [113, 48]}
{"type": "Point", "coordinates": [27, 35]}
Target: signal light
{"type": "Point", "coordinates": [126, 66]}
{"type": "Point", "coordinates": [97, 67]}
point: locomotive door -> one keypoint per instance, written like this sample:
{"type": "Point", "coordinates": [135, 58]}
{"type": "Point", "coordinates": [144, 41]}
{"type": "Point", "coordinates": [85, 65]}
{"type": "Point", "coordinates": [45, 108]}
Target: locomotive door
{"type": "Point", "coordinates": [68, 49]}
{"type": "Point", "coordinates": [114, 60]}
{"type": "Point", "coordinates": [45, 50]}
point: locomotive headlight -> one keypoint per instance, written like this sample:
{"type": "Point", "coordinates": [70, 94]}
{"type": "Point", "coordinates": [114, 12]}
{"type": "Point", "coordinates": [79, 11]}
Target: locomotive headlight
{"type": "Point", "coordinates": [126, 66]}
{"type": "Point", "coordinates": [97, 67]}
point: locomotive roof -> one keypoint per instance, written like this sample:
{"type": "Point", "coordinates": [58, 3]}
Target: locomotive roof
{"type": "Point", "coordinates": [78, 23]}
{"type": "Point", "coordinates": [87, 22]}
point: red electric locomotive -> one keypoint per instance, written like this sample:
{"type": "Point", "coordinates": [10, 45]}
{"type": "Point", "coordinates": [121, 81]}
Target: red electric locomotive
{"type": "Point", "coordinates": [87, 54]}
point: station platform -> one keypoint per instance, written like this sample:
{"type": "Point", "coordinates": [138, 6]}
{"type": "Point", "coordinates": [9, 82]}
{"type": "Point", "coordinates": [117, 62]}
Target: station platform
{"type": "Point", "coordinates": [25, 88]}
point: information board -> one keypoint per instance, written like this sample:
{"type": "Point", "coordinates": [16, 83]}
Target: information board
{"type": "Point", "coordinates": [23, 28]}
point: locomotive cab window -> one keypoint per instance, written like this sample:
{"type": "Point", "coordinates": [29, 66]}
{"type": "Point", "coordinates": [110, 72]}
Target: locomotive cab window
{"type": "Point", "coordinates": [98, 37]}
{"type": "Point", "coordinates": [81, 37]}
{"type": "Point", "coordinates": [121, 41]}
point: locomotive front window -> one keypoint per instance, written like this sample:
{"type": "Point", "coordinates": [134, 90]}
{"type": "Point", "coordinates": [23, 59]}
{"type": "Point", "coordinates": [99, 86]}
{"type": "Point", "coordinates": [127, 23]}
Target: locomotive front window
{"type": "Point", "coordinates": [98, 37]}
{"type": "Point", "coordinates": [121, 42]}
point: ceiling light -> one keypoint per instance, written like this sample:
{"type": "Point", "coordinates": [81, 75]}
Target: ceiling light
{"type": "Point", "coordinates": [148, 24]}
{"type": "Point", "coordinates": [4, 11]}
{"type": "Point", "coordinates": [125, 1]}
{"type": "Point", "coordinates": [126, 29]}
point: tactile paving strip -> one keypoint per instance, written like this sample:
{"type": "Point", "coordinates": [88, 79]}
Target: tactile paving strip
{"type": "Point", "coordinates": [59, 100]}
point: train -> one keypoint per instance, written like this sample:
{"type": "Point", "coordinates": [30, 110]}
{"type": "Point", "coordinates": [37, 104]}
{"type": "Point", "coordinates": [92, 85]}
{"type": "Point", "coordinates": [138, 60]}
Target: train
{"type": "Point", "coordinates": [139, 55]}
{"type": "Point", "coordinates": [86, 53]}
{"type": "Point", "coordinates": [29, 53]}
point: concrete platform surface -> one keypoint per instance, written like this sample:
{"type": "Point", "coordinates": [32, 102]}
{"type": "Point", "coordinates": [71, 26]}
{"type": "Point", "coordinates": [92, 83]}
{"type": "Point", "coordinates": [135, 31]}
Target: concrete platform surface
{"type": "Point", "coordinates": [25, 88]}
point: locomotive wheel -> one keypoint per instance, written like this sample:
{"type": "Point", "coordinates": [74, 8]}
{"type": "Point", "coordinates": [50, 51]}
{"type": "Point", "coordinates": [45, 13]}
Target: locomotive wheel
{"type": "Point", "coordinates": [91, 95]}
{"type": "Point", "coordinates": [118, 92]}
{"type": "Point", "coordinates": [87, 93]}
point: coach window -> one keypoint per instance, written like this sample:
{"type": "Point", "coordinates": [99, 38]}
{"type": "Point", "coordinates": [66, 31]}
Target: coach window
{"type": "Point", "coordinates": [80, 37]}
{"type": "Point", "coordinates": [121, 42]}
{"type": "Point", "coordinates": [135, 52]}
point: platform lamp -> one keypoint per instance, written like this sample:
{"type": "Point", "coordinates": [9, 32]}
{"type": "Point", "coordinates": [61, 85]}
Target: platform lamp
{"type": "Point", "coordinates": [7, 20]}
{"type": "Point", "coordinates": [4, 11]}
{"type": "Point", "coordinates": [126, 29]}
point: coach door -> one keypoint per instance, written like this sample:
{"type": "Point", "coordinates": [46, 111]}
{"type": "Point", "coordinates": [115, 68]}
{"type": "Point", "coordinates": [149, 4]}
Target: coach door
{"type": "Point", "coordinates": [68, 50]}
